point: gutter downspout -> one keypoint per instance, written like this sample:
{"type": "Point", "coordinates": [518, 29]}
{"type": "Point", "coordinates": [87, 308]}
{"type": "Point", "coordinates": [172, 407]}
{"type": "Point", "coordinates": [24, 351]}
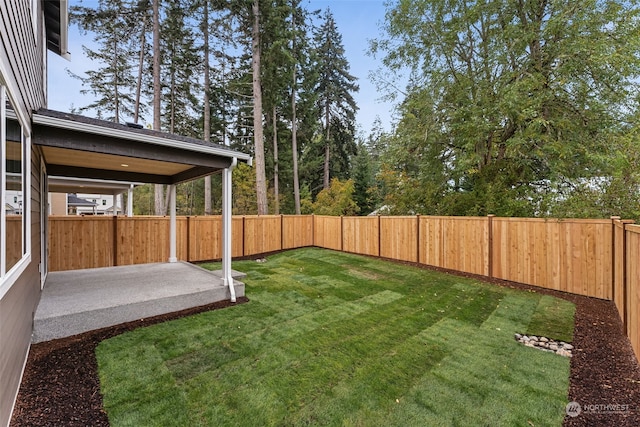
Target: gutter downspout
{"type": "Point", "coordinates": [226, 227]}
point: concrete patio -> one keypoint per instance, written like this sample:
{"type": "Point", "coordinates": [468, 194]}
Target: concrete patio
{"type": "Point", "coordinates": [74, 302]}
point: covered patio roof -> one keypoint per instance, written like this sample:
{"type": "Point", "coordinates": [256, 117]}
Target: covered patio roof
{"type": "Point", "coordinates": [82, 147]}
{"type": "Point", "coordinates": [78, 147]}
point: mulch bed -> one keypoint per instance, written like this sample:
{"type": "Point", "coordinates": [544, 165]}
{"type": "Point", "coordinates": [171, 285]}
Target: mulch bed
{"type": "Point", "coordinates": [60, 386]}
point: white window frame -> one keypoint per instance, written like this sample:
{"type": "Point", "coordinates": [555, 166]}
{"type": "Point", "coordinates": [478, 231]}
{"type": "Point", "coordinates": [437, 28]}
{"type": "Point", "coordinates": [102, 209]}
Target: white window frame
{"type": "Point", "coordinates": [8, 278]}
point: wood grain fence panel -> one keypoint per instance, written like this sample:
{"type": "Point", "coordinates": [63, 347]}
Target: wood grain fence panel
{"type": "Point", "coordinates": [399, 238]}
{"type": "Point", "coordinates": [633, 286]}
{"type": "Point", "coordinates": [297, 231]}
{"type": "Point", "coordinates": [262, 234]}
{"type": "Point", "coordinates": [360, 235]}
{"type": "Point", "coordinates": [327, 232]}
{"type": "Point", "coordinates": [568, 255]}
{"type": "Point", "coordinates": [619, 267]}
{"type": "Point", "coordinates": [431, 241]}
{"type": "Point", "coordinates": [14, 239]}
{"type": "Point", "coordinates": [205, 239]}
{"type": "Point", "coordinates": [79, 243]}
{"type": "Point", "coordinates": [143, 240]}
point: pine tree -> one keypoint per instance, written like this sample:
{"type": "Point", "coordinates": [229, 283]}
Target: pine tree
{"type": "Point", "coordinates": [113, 84]}
{"type": "Point", "coordinates": [335, 94]}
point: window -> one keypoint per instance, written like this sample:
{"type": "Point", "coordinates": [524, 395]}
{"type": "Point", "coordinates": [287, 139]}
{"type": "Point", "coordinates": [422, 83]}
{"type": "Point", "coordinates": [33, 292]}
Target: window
{"type": "Point", "coordinates": [104, 202]}
{"type": "Point", "coordinates": [13, 188]}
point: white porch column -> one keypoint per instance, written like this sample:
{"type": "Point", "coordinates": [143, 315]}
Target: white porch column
{"type": "Point", "coordinates": [172, 224]}
{"type": "Point", "coordinates": [226, 228]}
{"type": "Point", "coordinates": [130, 201]}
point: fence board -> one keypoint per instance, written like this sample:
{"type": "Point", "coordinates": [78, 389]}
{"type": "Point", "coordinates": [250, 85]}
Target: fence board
{"type": "Point", "coordinates": [361, 235]}
{"type": "Point", "coordinates": [456, 243]}
{"type": "Point", "coordinates": [399, 238]}
{"type": "Point", "coordinates": [327, 232]}
{"type": "Point", "coordinates": [262, 234]}
{"type": "Point", "coordinates": [297, 231]}
{"type": "Point", "coordinates": [14, 242]}
{"type": "Point", "coordinates": [77, 244]}
{"type": "Point", "coordinates": [633, 287]}
{"type": "Point", "coordinates": [567, 255]}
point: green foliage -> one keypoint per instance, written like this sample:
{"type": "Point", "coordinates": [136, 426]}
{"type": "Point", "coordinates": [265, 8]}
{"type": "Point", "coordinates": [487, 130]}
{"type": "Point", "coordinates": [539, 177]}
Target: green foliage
{"type": "Point", "coordinates": [511, 105]}
{"type": "Point", "coordinates": [336, 339]}
{"type": "Point", "coordinates": [336, 200]}
{"type": "Point", "coordinates": [116, 35]}
{"type": "Point", "coordinates": [244, 191]}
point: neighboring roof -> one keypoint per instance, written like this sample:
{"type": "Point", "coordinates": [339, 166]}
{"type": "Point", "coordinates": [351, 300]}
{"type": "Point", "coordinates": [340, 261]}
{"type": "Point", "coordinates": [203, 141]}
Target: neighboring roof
{"type": "Point", "coordinates": [73, 200]}
{"type": "Point", "coordinates": [56, 21]}
{"type": "Point", "coordinates": [57, 184]}
{"type": "Point", "coordinates": [83, 147]}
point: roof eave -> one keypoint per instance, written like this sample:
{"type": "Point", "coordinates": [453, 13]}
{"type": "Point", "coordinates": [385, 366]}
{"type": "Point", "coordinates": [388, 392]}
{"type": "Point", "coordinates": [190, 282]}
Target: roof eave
{"type": "Point", "coordinates": [125, 134]}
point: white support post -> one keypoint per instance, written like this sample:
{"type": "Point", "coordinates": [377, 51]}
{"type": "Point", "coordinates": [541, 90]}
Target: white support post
{"type": "Point", "coordinates": [130, 201]}
{"type": "Point", "coordinates": [226, 228]}
{"type": "Point", "coordinates": [172, 224]}
{"type": "Point", "coordinates": [114, 203]}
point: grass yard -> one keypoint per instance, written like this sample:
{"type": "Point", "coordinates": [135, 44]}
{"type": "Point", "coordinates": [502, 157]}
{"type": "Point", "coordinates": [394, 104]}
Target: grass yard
{"type": "Point", "coordinates": [338, 339]}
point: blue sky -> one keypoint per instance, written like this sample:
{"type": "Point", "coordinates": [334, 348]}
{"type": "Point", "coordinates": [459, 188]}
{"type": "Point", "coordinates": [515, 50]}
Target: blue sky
{"type": "Point", "coordinates": [357, 20]}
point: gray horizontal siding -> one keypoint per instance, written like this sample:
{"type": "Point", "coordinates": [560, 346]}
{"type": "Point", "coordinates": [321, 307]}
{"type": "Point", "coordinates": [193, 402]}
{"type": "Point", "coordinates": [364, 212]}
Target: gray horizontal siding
{"type": "Point", "coordinates": [24, 52]}
{"type": "Point", "coordinates": [17, 308]}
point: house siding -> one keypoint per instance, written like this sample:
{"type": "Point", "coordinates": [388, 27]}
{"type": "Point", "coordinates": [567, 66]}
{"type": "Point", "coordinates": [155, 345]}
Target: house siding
{"type": "Point", "coordinates": [22, 71]}
{"type": "Point", "coordinates": [22, 54]}
{"type": "Point", "coordinates": [17, 308]}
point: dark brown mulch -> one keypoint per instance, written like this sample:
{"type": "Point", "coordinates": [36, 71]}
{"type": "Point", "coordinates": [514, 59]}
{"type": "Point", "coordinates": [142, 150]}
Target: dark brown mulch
{"type": "Point", "coordinates": [61, 388]}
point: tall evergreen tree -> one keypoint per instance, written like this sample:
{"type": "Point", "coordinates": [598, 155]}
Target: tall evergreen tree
{"type": "Point", "coordinates": [112, 23]}
{"type": "Point", "coordinates": [181, 69]}
{"type": "Point", "coordinates": [335, 94]}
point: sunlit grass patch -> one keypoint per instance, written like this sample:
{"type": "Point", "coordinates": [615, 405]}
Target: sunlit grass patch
{"type": "Point", "coordinates": [337, 339]}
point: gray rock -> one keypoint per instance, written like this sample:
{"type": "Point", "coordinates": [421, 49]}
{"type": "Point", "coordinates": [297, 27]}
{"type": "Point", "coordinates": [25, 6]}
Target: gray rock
{"type": "Point", "coordinates": [533, 337]}
{"type": "Point", "coordinates": [568, 346]}
{"type": "Point", "coordinates": [553, 346]}
{"type": "Point", "coordinates": [518, 336]}
{"type": "Point", "coordinates": [544, 339]}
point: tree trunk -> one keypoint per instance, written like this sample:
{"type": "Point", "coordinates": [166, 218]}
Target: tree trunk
{"type": "Point", "coordinates": [258, 133]}
{"type": "Point", "coordinates": [276, 186]}
{"type": "Point", "coordinates": [158, 188]}
{"type": "Point", "coordinates": [143, 40]}
{"type": "Point", "coordinates": [207, 105]}
{"type": "Point", "coordinates": [294, 125]}
{"type": "Point", "coordinates": [116, 96]}
{"type": "Point", "coordinates": [327, 150]}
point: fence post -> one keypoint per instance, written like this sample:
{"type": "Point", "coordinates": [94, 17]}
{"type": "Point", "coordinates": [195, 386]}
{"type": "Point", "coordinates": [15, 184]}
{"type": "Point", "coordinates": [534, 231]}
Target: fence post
{"type": "Point", "coordinates": [490, 243]}
{"type": "Point", "coordinates": [341, 233]}
{"type": "Point", "coordinates": [313, 230]}
{"type": "Point", "coordinates": [243, 234]}
{"type": "Point", "coordinates": [418, 239]}
{"type": "Point", "coordinates": [379, 238]}
{"type": "Point", "coordinates": [115, 241]}
{"type": "Point", "coordinates": [613, 256]}
{"type": "Point", "coordinates": [188, 238]}
{"type": "Point", "coordinates": [281, 232]}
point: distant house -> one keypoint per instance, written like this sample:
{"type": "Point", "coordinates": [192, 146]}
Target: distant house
{"type": "Point", "coordinates": [36, 143]}
{"type": "Point", "coordinates": [74, 203]}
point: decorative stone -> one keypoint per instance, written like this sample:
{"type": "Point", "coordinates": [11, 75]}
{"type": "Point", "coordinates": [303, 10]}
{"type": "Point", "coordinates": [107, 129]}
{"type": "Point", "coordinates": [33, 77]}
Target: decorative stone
{"type": "Point", "coordinates": [560, 348]}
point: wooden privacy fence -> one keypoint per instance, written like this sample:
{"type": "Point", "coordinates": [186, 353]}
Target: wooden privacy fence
{"type": "Point", "coordinates": [597, 258]}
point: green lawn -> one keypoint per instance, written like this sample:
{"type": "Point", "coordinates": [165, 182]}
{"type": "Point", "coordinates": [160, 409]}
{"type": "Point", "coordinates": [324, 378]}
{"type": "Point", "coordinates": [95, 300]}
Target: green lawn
{"type": "Point", "coordinates": [337, 339]}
